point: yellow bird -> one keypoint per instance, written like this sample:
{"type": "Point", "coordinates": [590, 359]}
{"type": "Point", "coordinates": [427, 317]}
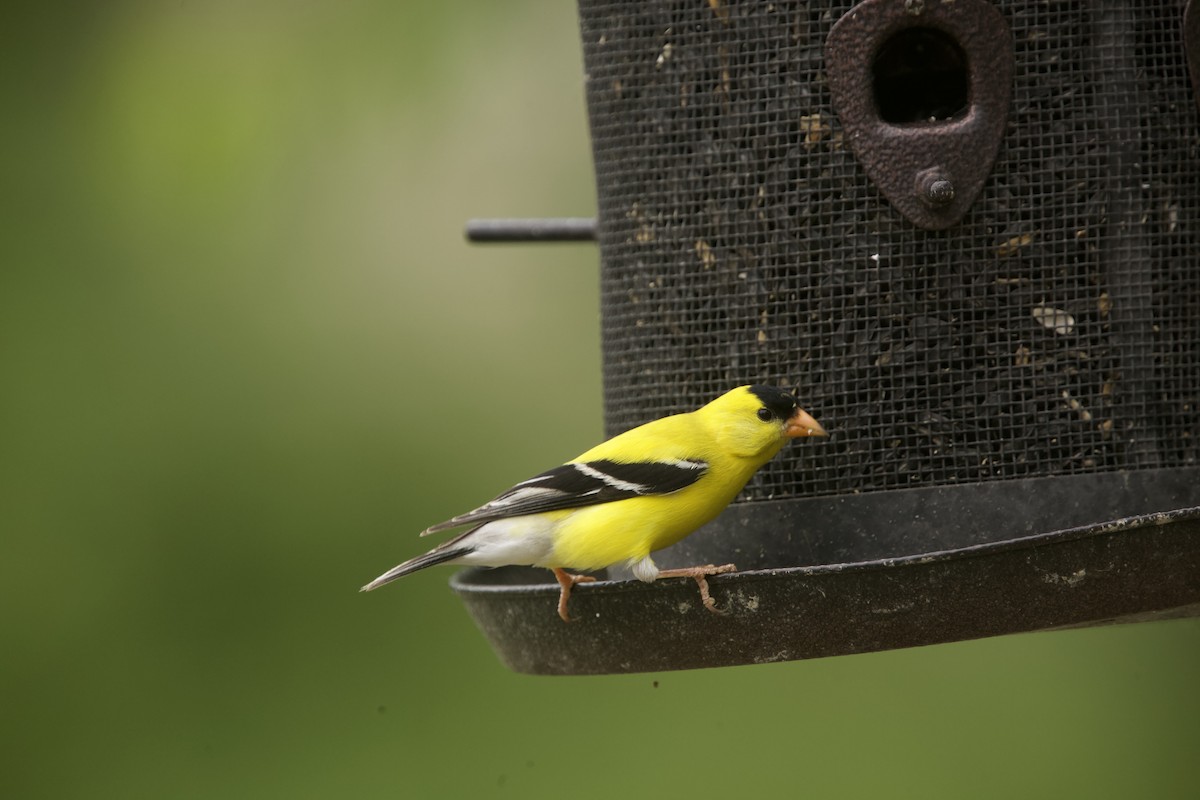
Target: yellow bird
{"type": "Point", "coordinates": [636, 493]}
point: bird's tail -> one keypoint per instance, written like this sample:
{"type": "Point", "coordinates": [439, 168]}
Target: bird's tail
{"type": "Point", "coordinates": [439, 556]}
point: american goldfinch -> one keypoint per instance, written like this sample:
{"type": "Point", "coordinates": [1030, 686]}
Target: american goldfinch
{"type": "Point", "coordinates": [636, 493]}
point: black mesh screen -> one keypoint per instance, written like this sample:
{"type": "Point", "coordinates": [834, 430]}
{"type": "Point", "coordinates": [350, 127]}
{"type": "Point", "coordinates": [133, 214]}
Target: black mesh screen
{"type": "Point", "coordinates": [1055, 330]}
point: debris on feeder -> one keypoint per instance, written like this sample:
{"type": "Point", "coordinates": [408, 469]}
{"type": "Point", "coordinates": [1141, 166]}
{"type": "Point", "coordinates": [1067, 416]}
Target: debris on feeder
{"type": "Point", "coordinates": [1054, 319]}
{"type": "Point", "coordinates": [1011, 247]}
{"type": "Point", "coordinates": [814, 128]}
{"type": "Point", "coordinates": [664, 56]}
{"type": "Point", "coordinates": [721, 11]}
{"type": "Point", "coordinates": [1076, 406]}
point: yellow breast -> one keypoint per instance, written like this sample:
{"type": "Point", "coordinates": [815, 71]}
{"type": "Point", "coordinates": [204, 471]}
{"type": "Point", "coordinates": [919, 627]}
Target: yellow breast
{"type": "Point", "coordinates": [598, 536]}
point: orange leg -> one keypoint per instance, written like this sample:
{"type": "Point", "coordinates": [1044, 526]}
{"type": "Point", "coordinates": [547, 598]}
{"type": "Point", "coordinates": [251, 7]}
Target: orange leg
{"type": "Point", "coordinates": [566, 580]}
{"type": "Point", "coordinates": [700, 574]}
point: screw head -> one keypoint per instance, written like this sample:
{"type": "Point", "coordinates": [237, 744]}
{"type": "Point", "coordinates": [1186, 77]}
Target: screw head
{"type": "Point", "coordinates": [935, 188]}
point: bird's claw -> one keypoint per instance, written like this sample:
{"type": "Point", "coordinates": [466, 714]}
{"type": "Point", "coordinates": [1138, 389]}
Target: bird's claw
{"type": "Point", "coordinates": [700, 575]}
{"type": "Point", "coordinates": [566, 582]}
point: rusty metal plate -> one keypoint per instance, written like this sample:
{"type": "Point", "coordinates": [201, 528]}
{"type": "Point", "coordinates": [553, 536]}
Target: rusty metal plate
{"type": "Point", "coordinates": [922, 90]}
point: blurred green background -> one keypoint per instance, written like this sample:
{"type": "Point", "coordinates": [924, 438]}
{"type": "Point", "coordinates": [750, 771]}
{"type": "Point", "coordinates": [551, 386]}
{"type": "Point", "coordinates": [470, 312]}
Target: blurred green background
{"type": "Point", "coordinates": [247, 356]}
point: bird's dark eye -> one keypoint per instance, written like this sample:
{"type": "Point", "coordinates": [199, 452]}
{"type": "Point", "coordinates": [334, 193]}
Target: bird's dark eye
{"type": "Point", "coordinates": [765, 415]}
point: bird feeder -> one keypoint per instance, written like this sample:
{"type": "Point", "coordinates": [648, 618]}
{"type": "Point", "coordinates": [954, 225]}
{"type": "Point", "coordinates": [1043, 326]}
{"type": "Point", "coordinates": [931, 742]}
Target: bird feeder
{"type": "Point", "coordinates": [970, 232]}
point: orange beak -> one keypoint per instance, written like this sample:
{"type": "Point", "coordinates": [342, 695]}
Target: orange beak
{"type": "Point", "coordinates": [800, 424]}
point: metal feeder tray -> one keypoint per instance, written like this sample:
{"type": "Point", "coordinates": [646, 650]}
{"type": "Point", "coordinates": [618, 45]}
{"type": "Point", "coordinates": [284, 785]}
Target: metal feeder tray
{"type": "Point", "coordinates": [1132, 569]}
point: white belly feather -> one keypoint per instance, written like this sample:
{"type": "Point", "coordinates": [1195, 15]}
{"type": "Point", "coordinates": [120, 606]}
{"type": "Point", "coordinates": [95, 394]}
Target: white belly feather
{"type": "Point", "coordinates": [518, 540]}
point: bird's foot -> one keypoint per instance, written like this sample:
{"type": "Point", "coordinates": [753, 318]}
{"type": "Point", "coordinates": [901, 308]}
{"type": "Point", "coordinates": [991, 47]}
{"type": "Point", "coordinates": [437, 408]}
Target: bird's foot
{"type": "Point", "coordinates": [567, 581]}
{"type": "Point", "coordinates": [700, 575]}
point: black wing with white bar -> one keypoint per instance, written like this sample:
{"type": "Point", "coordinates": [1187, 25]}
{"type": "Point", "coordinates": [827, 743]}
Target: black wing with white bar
{"type": "Point", "coordinates": [583, 484]}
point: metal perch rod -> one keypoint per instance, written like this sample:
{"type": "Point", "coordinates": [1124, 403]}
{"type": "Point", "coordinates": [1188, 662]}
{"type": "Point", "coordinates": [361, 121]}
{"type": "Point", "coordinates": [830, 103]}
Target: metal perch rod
{"type": "Point", "coordinates": [559, 229]}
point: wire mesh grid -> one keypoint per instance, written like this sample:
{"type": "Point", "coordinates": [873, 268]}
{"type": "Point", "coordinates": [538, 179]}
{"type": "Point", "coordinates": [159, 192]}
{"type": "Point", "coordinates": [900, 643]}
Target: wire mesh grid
{"type": "Point", "coordinates": [1056, 330]}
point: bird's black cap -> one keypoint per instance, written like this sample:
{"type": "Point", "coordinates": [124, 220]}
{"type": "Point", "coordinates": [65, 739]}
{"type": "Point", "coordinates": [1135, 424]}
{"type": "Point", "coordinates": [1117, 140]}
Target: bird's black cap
{"type": "Point", "coordinates": [777, 401]}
